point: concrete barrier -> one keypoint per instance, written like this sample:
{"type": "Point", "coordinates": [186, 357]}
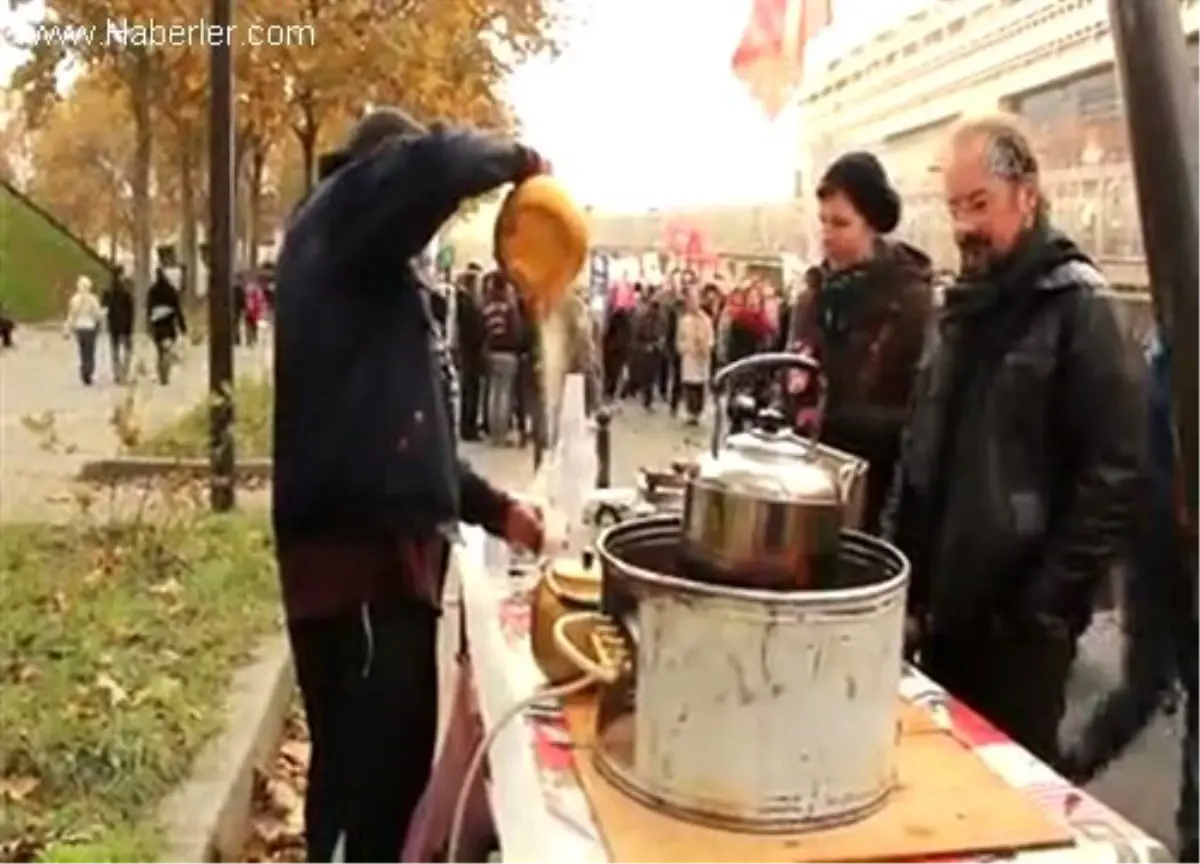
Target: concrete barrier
{"type": "Point", "coordinates": [126, 469]}
{"type": "Point", "coordinates": [208, 817]}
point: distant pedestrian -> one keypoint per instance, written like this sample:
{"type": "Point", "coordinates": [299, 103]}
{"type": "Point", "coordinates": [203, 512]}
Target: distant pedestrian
{"type": "Point", "coordinates": [118, 309]}
{"type": "Point", "coordinates": [84, 315]}
{"type": "Point", "coordinates": [7, 326]}
{"type": "Point", "coordinates": [255, 310]}
{"type": "Point", "coordinates": [694, 343]}
{"type": "Point", "coordinates": [164, 314]}
{"type": "Point", "coordinates": [502, 328]}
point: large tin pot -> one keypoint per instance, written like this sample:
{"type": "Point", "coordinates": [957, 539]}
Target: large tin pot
{"type": "Point", "coordinates": [756, 710]}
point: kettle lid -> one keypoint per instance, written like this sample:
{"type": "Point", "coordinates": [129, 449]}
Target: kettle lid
{"type": "Point", "coordinates": [576, 577]}
{"type": "Point", "coordinates": [790, 461]}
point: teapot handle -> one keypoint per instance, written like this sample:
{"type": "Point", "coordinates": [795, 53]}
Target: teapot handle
{"type": "Point", "coordinates": [774, 359]}
{"type": "Point", "coordinates": [603, 673]}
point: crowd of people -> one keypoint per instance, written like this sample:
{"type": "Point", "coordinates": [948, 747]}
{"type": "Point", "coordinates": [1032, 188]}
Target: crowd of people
{"type": "Point", "coordinates": [496, 349]}
{"type": "Point", "coordinates": [114, 312]}
{"type": "Point", "coordinates": [655, 343]}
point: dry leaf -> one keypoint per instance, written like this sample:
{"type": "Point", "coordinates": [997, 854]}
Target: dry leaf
{"type": "Point", "coordinates": [17, 789]}
{"type": "Point", "coordinates": [296, 752]}
{"type": "Point", "coordinates": [167, 588]}
{"type": "Point", "coordinates": [161, 689]}
{"type": "Point", "coordinates": [115, 692]}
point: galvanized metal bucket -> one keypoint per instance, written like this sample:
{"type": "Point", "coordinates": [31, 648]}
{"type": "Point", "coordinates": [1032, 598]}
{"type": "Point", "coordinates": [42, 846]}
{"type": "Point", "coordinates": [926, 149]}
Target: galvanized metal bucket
{"type": "Point", "coordinates": [748, 709]}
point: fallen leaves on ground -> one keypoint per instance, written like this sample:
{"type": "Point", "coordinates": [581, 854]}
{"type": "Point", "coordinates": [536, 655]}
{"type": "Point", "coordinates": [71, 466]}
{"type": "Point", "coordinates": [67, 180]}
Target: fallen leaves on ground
{"type": "Point", "coordinates": [119, 641]}
{"type": "Point", "coordinates": [277, 817]}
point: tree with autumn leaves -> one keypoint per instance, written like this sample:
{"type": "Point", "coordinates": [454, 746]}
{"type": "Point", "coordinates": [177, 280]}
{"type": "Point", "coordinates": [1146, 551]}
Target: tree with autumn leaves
{"type": "Point", "coordinates": [439, 59]}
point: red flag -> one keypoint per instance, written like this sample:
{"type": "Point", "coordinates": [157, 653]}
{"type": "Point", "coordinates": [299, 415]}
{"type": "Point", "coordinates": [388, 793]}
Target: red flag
{"type": "Point", "coordinates": [769, 59]}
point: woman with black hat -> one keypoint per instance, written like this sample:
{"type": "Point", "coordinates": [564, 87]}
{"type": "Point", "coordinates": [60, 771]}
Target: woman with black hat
{"type": "Point", "coordinates": [864, 317]}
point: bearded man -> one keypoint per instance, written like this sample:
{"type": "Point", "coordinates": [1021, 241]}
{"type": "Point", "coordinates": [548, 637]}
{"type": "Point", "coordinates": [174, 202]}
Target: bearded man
{"type": "Point", "coordinates": [1025, 456]}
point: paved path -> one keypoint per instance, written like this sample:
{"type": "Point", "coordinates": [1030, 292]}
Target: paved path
{"type": "Point", "coordinates": [38, 379]}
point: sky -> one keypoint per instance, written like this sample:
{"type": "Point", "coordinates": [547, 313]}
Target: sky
{"type": "Point", "coordinates": [641, 110]}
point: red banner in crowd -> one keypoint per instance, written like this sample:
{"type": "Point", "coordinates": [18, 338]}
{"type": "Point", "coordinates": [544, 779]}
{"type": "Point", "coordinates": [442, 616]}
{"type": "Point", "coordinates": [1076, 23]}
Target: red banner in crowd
{"type": "Point", "coordinates": [769, 59]}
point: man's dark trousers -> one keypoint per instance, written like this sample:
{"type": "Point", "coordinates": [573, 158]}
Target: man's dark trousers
{"type": "Point", "coordinates": [370, 688]}
{"type": "Point", "coordinates": [120, 348]}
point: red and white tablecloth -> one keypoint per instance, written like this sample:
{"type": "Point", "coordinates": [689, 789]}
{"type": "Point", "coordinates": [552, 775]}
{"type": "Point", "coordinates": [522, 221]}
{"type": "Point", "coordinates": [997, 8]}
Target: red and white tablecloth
{"type": "Point", "coordinates": [542, 814]}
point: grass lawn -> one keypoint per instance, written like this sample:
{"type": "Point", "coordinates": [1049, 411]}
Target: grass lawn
{"type": "Point", "coordinates": [117, 644]}
{"type": "Point", "coordinates": [38, 262]}
{"type": "Point", "coordinates": [188, 436]}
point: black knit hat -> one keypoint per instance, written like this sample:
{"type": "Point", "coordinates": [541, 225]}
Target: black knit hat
{"type": "Point", "coordinates": [376, 126]}
{"type": "Point", "coordinates": [861, 178]}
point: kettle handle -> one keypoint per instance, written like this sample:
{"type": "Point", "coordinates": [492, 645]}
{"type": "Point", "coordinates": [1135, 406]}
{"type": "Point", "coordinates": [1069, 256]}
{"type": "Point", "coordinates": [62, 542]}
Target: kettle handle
{"type": "Point", "coordinates": [773, 359]}
{"type": "Point", "coordinates": [600, 672]}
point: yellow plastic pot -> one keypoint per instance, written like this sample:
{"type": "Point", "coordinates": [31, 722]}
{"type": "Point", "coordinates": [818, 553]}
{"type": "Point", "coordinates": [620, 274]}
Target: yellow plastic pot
{"type": "Point", "coordinates": [541, 241]}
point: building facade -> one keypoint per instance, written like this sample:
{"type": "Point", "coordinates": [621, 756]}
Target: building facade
{"type": "Point", "coordinates": [1048, 61]}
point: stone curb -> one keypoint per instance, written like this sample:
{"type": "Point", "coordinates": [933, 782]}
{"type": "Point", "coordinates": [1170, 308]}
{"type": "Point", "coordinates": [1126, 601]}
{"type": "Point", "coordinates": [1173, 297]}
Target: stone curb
{"type": "Point", "coordinates": [123, 469]}
{"type": "Point", "coordinates": [208, 817]}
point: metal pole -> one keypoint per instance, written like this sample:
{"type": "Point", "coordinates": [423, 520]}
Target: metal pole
{"type": "Point", "coordinates": [220, 240]}
{"type": "Point", "coordinates": [603, 447]}
{"type": "Point", "coordinates": [1160, 110]}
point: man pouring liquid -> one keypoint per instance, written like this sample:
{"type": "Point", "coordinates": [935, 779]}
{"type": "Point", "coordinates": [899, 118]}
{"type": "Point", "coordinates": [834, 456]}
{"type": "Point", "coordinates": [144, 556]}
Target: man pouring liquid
{"type": "Point", "coordinates": [367, 482]}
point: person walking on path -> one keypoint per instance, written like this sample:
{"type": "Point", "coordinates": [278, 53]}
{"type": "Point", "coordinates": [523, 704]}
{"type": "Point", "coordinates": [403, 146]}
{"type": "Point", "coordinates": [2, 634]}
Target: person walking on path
{"type": "Point", "coordinates": [118, 310]}
{"type": "Point", "coordinates": [84, 316]}
{"type": "Point", "coordinates": [7, 326]}
{"type": "Point", "coordinates": [164, 314]}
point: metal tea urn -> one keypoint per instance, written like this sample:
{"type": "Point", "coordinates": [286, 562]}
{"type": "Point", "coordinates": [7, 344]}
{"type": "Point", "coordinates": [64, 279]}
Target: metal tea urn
{"type": "Point", "coordinates": [766, 507]}
{"type": "Point", "coordinates": [749, 648]}
{"type": "Point", "coordinates": [742, 708]}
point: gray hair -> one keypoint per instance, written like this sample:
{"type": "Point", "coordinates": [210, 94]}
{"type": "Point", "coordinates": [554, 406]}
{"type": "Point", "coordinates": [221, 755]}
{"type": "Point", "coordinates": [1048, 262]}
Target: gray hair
{"type": "Point", "coordinates": [1008, 152]}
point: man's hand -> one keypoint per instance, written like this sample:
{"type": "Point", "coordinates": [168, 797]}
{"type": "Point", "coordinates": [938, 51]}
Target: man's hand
{"type": "Point", "coordinates": [525, 527]}
{"type": "Point", "coordinates": [534, 164]}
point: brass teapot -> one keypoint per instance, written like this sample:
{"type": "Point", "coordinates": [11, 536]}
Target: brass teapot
{"type": "Point", "coordinates": [566, 585]}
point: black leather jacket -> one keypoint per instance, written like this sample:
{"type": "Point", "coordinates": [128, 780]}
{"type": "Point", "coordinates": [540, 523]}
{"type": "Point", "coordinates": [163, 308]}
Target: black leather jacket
{"type": "Point", "coordinates": [1018, 507]}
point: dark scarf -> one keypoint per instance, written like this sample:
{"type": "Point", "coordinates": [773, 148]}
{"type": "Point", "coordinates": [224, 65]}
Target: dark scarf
{"type": "Point", "coordinates": [1009, 278]}
{"type": "Point", "coordinates": [987, 310]}
{"type": "Point", "coordinates": [842, 294]}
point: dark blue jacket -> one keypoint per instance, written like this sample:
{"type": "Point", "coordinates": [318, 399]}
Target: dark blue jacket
{"type": "Point", "coordinates": [363, 446]}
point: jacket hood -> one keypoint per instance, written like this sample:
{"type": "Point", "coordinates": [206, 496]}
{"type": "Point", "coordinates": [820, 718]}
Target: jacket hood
{"type": "Point", "coordinates": [1059, 249]}
{"type": "Point", "coordinates": [906, 259]}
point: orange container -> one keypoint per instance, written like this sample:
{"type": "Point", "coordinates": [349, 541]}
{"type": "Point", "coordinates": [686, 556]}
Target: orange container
{"type": "Point", "coordinates": [541, 241]}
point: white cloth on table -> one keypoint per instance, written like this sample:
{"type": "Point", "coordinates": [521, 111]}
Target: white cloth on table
{"type": "Point", "coordinates": [529, 831]}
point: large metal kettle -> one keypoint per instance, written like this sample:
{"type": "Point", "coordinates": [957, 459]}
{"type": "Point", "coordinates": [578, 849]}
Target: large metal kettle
{"type": "Point", "coordinates": [766, 507]}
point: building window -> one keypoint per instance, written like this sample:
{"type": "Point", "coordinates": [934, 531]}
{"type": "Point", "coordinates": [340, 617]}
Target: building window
{"type": "Point", "coordinates": [1097, 96]}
